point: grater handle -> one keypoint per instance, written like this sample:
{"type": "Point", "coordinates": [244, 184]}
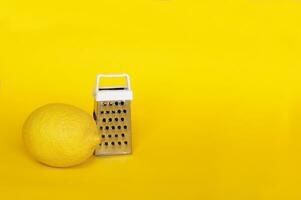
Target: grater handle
{"type": "Point", "coordinates": [112, 76]}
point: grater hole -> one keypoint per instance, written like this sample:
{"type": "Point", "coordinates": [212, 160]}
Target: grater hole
{"type": "Point", "coordinates": [104, 104]}
{"type": "Point", "coordinates": [116, 103]}
{"type": "Point", "coordinates": [113, 127]}
{"type": "Point", "coordinates": [122, 103]}
{"type": "Point", "coordinates": [99, 144]}
{"type": "Point", "coordinates": [124, 111]}
{"type": "Point", "coordinates": [103, 136]}
{"type": "Point", "coordinates": [113, 143]}
{"type": "Point", "coordinates": [107, 127]}
{"type": "Point", "coordinates": [119, 127]}
{"type": "Point", "coordinates": [101, 128]}
{"type": "Point", "coordinates": [113, 111]}
{"type": "Point", "coordinates": [109, 135]}
{"type": "Point", "coordinates": [110, 104]}
{"type": "Point", "coordinates": [108, 112]}
{"type": "Point", "coordinates": [122, 135]}
{"type": "Point", "coordinates": [125, 142]}
{"type": "Point", "coordinates": [94, 116]}
{"type": "Point", "coordinates": [110, 119]}
{"type": "Point", "coordinates": [104, 120]}
{"type": "Point", "coordinates": [116, 135]}
{"type": "Point", "coordinates": [122, 119]}
{"type": "Point", "coordinates": [116, 119]}
{"type": "Point", "coordinates": [106, 143]}
{"type": "Point", "coordinates": [119, 111]}
{"type": "Point", "coordinates": [101, 112]}
{"type": "Point", "coordinates": [125, 127]}
{"type": "Point", "coordinates": [119, 143]}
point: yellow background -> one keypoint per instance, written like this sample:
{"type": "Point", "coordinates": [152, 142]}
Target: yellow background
{"type": "Point", "coordinates": [217, 100]}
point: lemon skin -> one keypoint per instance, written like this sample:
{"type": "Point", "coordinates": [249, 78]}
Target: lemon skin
{"type": "Point", "coordinates": [60, 135]}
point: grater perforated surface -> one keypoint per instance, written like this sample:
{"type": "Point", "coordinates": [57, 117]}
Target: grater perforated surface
{"type": "Point", "coordinates": [113, 119]}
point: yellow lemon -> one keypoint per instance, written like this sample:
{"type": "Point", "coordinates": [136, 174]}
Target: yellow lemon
{"type": "Point", "coordinates": [60, 135]}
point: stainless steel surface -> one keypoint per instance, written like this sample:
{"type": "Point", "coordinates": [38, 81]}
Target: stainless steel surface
{"type": "Point", "coordinates": [113, 119]}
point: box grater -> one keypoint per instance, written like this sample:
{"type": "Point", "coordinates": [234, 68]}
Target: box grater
{"type": "Point", "coordinates": [112, 113]}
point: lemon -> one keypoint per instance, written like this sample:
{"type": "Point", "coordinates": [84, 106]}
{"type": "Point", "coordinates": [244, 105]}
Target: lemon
{"type": "Point", "coordinates": [60, 135]}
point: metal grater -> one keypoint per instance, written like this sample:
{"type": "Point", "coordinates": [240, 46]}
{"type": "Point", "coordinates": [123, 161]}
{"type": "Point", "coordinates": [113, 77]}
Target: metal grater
{"type": "Point", "coordinates": [112, 113]}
